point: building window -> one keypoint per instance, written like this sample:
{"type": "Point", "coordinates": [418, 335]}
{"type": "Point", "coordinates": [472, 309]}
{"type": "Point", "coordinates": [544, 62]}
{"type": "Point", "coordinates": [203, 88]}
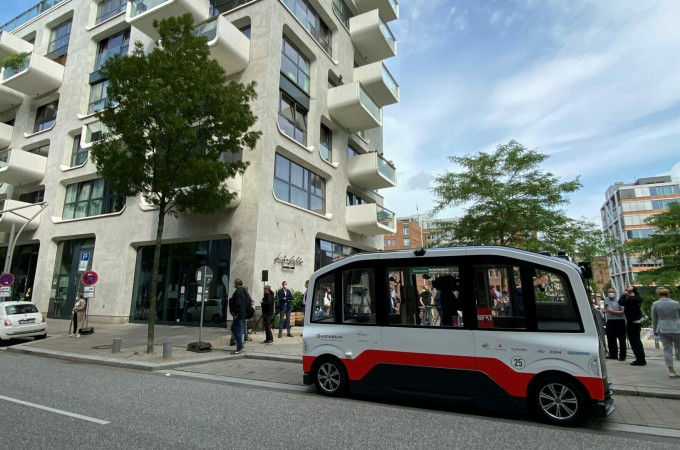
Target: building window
{"type": "Point", "coordinates": [310, 19]}
{"type": "Point", "coordinates": [46, 116]}
{"type": "Point", "coordinates": [33, 197]}
{"type": "Point", "coordinates": [664, 190]}
{"type": "Point", "coordinates": [109, 8]}
{"type": "Point", "coordinates": [325, 143]}
{"type": "Point", "coordinates": [78, 153]}
{"type": "Point", "coordinates": [343, 11]}
{"type": "Point", "coordinates": [353, 199]}
{"type": "Point", "coordinates": [117, 44]}
{"type": "Point", "coordinates": [295, 66]}
{"type": "Point", "coordinates": [327, 252]}
{"type": "Point", "coordinates": [218, 7]}
{"type": "Point", "coordinates": [406, 229]}
{"type": "Point", "coordinates": [292, 118]}
{"type": "Point", "coordinates": [297, 185]}
{"type": "Point", "coordinates": [98, 97]}
{"type": "Point", "coordinates": [91, 198]}
{"type": "Point", "coordinates": [59, 39]}
{"type": "Point", "coordinates": [407, 242]}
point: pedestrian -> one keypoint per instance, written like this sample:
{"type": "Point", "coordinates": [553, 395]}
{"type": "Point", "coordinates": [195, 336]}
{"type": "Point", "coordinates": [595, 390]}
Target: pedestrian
{"type": "Point", "coordinates": [425, 300]}
{"type": "Point", "coordinates": [267, 304]}
{"type": "Point", "coordinates": [631, 302]}
{"type": "Point", "coordinates": [666, 323]}
{"type": "Point", "coordinates": [249, 302]}
{"type": "Point", "coordinates": [237, 308]}
{"type": "Point", "coordinates": [616, 327]}
{"type": "Point", "coordinates": [285, 308]}
{"type": "Point", "coordinates": [304, 296]}
{"type": "Point", "coordinates": [78, 315]}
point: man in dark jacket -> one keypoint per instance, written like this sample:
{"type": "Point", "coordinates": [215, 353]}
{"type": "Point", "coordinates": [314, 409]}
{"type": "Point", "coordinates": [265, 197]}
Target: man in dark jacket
{"type": "Point", "coordinates": [237, 308]}
{"type": "Point", "coordinates": [268, 313]}
{"type": "Point", "coordinates": [285, 307]}
{"type": "Point", "coordinates": [631, 302]}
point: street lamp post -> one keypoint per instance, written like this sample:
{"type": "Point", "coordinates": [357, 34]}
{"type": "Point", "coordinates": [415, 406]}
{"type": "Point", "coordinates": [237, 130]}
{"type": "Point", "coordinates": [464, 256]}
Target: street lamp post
{"type": "Point", "coordinates": [13, 238]}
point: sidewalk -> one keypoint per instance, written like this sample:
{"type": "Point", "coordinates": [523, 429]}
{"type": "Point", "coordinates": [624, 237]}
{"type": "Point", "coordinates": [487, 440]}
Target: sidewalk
{"type": "Point", "coordinates": [648, 381]}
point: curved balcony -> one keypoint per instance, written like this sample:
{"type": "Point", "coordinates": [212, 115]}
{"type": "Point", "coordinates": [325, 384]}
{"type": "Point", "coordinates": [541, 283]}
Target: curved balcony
{"type": "Point", "coordinates": [39, 76]}
{"type": "Point", "coordinates": [18, 217]}
{"type": "Point", "coordinates": [6, 132]}
{"type": "Point", "coordinates": [141, 13]}
{"type": "Point", "coordinates": [378, 83]}
{"type": "Point", "coordinates": [371, 171]}
{"type": "Point", "coordinates": [372, 37]}
{"type": "Point", "coordinates": [350, 105]}
{"type": "Point", "coordinates": [228, 46]}
{"type": "Point", "coordinates": [370, 219]}
{"type": "Point", "coordinates": [9, 98]}
{"type": "Point", "coordinates": [11, 44]}
{"type": "Point", "coordinates": [21, 167]}
{"type": "Point", "coordinates": [389, 9]}
{"type": "Point", "coordinates": [235, 185]}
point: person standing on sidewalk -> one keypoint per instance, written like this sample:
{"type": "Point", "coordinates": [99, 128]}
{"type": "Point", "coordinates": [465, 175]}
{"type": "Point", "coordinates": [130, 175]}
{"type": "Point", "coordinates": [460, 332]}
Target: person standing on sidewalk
{"type": "Point", "coordinates": [666, 323]}
{"type": "Point", "coordinates": [79, 315]}
{"type": "Point", "coordinates": [285, 307]}
{"type": "Point", "coordinates": [268, 313]}
{"type": "Point", "coordinates": [616, 327]}
{"type": "Point", "coordinates": [237, 308]}
{"type": "Point", "coordinates": [631, 302]}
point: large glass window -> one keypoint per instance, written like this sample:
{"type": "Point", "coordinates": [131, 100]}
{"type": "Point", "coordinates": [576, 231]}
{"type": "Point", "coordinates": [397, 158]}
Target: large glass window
{"type": "Point", "coordinates": [299, 186]}
{"type": "Point", "coordinates": [343, 11]}
{"type": "Point", "coordinates": [59, 38]}
{"type": "Point", "coordinates": [358, 296]}
{"type": "Point", "coordinates": [91, 198]}
{"type": "Point", "coordinates": [78, 153]}
{"type": "Point", "coordinates": [295, 66]}
{"type": "Point", "coordinates": [98, 97]}
{"type": "Point", "coordinates": [500, 302]}
{"type": "Point", "coordinates": [555, 306]}
{"type": "Point", "coordinates": [326, 143]}
{"type": "Point", "coordinates": [117, 44]}
{"type": "Point", "coordinates": [310, 19]}
{"type": "Point", "coordinates": [109, 8]}
{"type": "Point", "coordinates": [292, 118]}
{"type": "Point", "coordinates": [352, 199]}
{"type": "Point", "coordinates": [45, 116]}
{"type": "Point", "coordinates": [324, 299]}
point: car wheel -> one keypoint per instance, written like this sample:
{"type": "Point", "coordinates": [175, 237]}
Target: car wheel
{"type": "Point", "coordinates": [331, 377]}
{"type": "Point", "coordinates": [559, 401]}
{"type": "Point", "coordinates": [216, 318]}
{"type": "Point", "coordinates": [190, 318]}
{"type": "Point", "coordinates": [42, 336]}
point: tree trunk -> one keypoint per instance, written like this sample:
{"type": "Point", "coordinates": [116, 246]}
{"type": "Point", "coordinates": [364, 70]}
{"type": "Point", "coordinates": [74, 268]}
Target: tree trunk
{"type": "Point", "coordinates": [154, 276]}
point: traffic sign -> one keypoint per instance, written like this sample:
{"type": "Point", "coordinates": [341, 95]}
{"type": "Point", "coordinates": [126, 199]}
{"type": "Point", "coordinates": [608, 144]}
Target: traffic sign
{"type": "Point", "coordinates": [204, 274]}
{"type": "Point", "coordinates": [6, 279]}
{"type": "Point", "coordinates": [90, 278]}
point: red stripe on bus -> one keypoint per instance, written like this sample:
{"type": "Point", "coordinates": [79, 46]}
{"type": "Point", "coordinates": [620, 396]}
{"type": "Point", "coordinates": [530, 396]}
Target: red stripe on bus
{"type": "Point", "coordinates": [514, 383]}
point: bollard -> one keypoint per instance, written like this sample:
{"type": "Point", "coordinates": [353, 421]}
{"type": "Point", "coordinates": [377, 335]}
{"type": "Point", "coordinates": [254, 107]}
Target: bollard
{"type": "Point", "coordinates": [167, 350]}
{"type": "Point", "coordinates": [117, 342]}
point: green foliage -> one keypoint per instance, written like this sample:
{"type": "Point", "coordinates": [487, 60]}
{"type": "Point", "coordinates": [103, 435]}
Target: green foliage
{"type": "Point", "coordinates": [510, 202]}
{"type": "Point", "coordinates": [661, 247]}
{"type": "Point", "coordinates": [173, 114]}
{"type": "Point", "coordinates": [15, 62]}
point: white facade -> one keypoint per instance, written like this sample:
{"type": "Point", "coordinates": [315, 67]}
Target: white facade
{"type": "Point", "coordinates": [263, 232]}
{"type": "Point", "coordinates": [623, 218]}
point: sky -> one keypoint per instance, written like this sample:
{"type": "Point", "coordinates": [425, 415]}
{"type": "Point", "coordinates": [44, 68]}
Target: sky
{"type": "Point", "coordinates": [593, 84]}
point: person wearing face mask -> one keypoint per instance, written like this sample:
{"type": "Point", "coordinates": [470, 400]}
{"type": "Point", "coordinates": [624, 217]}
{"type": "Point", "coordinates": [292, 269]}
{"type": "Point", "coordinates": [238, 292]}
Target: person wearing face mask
{"type": "Point", "coordinates": [616, 326]}
{"type": "Point", "coordinates": [631, 302]}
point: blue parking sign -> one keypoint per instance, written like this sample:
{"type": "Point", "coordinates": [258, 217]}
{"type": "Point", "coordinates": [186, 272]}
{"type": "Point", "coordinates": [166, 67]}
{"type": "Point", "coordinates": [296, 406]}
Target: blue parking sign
{"type": "Point", "coordinates": [84, 256]}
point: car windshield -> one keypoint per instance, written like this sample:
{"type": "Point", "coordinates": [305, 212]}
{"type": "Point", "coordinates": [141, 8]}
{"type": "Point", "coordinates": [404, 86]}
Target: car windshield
{"type": "Point", "coordinates": [21, 309]}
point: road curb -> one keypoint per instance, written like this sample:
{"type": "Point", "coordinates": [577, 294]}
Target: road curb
{"type": "Point", "coordinates": [647, 392]}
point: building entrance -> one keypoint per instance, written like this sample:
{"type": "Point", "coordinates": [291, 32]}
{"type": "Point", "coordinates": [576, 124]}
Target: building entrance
{"type": "Point", "coordinates": [73, 258]}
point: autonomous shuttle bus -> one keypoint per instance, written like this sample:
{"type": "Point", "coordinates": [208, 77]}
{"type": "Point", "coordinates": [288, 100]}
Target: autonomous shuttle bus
{"type": "Point", "coordinates": [490, 327]}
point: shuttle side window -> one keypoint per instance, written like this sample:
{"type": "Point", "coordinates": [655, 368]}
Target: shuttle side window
{"type": "Point", "coordinates": [324, 299]}
{"type": "Point", "coordinates": [555, 307]}
{"type": "Point", "coordinates": [500, 300]}
{"type": "Point", "coordinates": [358, 296]}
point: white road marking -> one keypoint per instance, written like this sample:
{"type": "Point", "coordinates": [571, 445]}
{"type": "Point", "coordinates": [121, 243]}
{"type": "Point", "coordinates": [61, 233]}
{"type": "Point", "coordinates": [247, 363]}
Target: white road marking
{"type": "Point", "coordinates": [640, 429]}
{"type": "Point", "coordinates": [57, 411]}
{"type": "Point", "coordinates": [234, 380]}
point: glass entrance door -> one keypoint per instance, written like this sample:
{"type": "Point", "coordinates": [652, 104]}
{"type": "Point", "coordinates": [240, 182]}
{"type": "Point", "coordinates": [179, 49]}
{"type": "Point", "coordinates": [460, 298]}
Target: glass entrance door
{"type": "Point", "coordinates": [73, 258]}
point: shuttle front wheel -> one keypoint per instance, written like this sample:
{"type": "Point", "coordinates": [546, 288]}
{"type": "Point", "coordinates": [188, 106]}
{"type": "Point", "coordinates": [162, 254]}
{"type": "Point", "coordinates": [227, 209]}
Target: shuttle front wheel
{"type": "Point", "coordinates": [331, 377]}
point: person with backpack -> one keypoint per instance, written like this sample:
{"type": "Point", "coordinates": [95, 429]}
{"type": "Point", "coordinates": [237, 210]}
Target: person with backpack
{"type": "Point", "coordinates": [237, 307]}
{"type": "Point", "coordinates": [285, 308]}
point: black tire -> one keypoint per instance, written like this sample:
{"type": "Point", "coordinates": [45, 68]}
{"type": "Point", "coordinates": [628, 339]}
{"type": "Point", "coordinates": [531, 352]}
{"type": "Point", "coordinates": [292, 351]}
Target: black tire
{"type": "Point", "coordinates": [42, 336]}
{"type": "Point", "coordinates": [331, 377]}
{"type": "Point", "coordinates": [190, 318]}
{"type": "Point", "coordinates": [558, 400]}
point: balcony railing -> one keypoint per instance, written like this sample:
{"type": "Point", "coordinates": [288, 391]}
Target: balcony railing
{"type": "Point", "coordinates": [40, 76]}
{"type": "Point", "coordinates": [352, 107]}
{"type": "Point", "coordinates": [227, 44]}
{"type": "Point", "coordinates": [370, 219]}
{"type": "Point", "coordinates": [389, 9]}
{"type": "Point", "coordinates": [33, 12]}
{"type": "Point", "coordinates": [141, 14]}
{"type": "Point", "coordinates": [371, 171]}
{"type": "Point", "coordinates": [19, 167]}
{"type": "Point", "coordinates": [378, 83]}
{"type": "Point", "coordinates": [372, 37]}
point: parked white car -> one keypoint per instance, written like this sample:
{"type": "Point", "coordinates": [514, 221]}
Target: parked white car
{"type": "Point", "coordinates": [21, 319]}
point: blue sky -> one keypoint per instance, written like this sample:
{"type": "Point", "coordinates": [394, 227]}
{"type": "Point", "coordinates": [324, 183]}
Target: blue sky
{"type": "Point", "coordinates": [594, 84]}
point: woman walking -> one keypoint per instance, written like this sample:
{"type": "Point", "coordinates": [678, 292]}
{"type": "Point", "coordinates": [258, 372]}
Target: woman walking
{"type": "Point", "coordinates": [666, 323]}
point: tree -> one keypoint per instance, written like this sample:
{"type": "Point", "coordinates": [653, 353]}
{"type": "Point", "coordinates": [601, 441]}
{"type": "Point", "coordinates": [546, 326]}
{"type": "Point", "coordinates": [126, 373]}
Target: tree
{"type": "Point", "coordinates": [172, 115]}
{"type": "Point", "coordinates": [511, 201]}
{"type": "Point", "coordinates": [661, 247]}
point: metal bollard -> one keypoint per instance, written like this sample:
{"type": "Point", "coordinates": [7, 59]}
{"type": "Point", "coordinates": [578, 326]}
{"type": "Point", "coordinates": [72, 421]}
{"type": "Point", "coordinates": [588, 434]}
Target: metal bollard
{"type": "Point", "coordinates": [117, 342]}
{"type": "Point", "coordinates": [167, 350]}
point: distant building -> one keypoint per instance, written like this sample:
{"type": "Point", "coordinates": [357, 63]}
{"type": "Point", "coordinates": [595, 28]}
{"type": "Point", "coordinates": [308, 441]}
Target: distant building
{"type": "Point", "coordinates": [623, 218]}
{"type": "Point", "coordinates": [414, 231]}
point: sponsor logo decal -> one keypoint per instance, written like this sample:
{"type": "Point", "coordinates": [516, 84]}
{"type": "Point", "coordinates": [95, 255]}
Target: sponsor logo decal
{"type": "Point", "coordinates": [555, 352]}
{"type": "Point", "coordinates": [500, 348]}
{"type": "Point", "coordinates": [578, 353]}
{"type": "Point", "coordinates": [540, 350]}
{"type": "Point", "coordinates": [485, 346]}
{"type": "Point", "coordinates": [328, 336]}
{"type": "Point", "coordinates": [518, 349]}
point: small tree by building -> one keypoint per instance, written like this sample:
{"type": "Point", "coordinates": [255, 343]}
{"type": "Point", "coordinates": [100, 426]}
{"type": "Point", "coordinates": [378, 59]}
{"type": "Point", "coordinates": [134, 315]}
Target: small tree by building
{"type": "Point", "coordinates": [171, 116]}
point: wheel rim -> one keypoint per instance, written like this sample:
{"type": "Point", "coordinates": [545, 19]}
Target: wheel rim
{"type": "Point", "coordinates": [329, 377]}
{"type": "Point", "coordinates": [558, 401]}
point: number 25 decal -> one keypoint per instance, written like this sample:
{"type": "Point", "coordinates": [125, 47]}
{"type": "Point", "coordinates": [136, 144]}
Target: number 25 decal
{"type": "Point", "coordinates": [517, 362]}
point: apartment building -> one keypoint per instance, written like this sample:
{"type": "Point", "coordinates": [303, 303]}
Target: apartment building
{"type": "Point", "coordinates": [309, 196]}
{"type": "Point", "coordinates": [623, 218]}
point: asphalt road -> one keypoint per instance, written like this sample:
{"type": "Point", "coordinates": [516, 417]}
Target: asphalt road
{"type": "Point", "coordinates": [117, 408]}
